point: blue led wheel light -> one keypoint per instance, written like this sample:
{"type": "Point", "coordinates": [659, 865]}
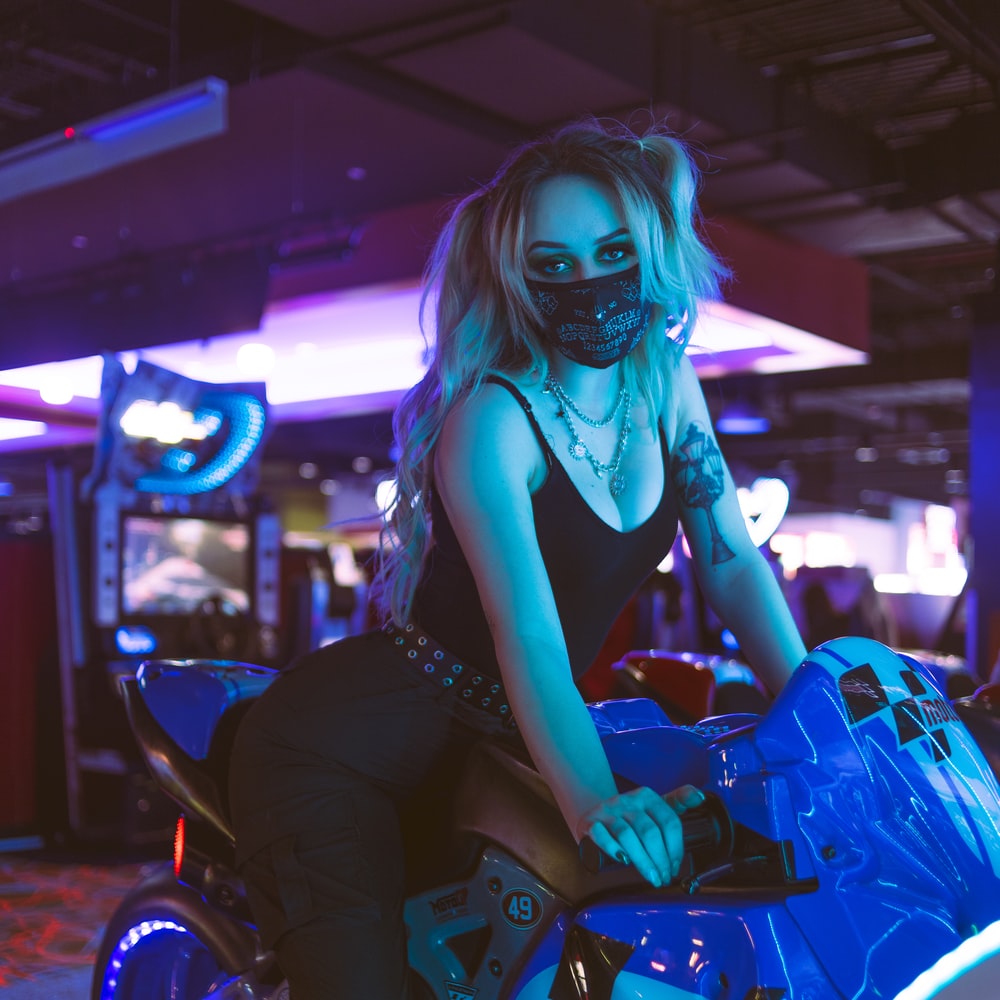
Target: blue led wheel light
{"type": "Point", "coordinates": [132, 937]}
{"type": "Point", "coordinates": [159, 959]}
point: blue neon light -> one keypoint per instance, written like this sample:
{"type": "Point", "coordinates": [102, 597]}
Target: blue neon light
{"type": "Point", "coordinates": [208, 418]}
{"type": "Point", "coordinates": [179, 459]}
{"type": "Point", "coordinates": [148, 117]}
{"type": "Point", "coordinates": [134, 640]}
{"type": "Point", "coordinates": [247, 417]}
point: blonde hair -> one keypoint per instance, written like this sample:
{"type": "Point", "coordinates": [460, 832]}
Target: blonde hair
{"type": "Point", "coordinates": [485, 322]}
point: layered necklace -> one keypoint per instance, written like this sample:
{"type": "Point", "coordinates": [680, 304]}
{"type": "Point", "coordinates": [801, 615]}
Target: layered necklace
{"type": "Point", "coordinates": [578, 449]}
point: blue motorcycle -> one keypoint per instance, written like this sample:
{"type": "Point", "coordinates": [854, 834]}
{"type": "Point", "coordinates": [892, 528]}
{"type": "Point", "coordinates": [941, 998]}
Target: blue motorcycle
{"type": "Point", "coordinates": [848, 847]}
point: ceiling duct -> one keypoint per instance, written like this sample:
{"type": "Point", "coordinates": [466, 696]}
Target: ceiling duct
{"type": "Point", "coordinates": [141, 304]}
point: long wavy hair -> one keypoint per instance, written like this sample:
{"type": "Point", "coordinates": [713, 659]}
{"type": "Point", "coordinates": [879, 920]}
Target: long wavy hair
{"type": "Point", "coordinates": [485, 322]}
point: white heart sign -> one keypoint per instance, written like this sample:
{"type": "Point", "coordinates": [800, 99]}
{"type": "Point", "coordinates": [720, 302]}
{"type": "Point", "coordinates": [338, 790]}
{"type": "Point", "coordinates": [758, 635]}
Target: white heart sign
{"type": "Point", "coordinates": [764, 504]}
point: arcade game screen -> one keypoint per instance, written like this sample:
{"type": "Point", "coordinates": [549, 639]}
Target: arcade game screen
{"type": "Point", "coordinates": [171, 565]}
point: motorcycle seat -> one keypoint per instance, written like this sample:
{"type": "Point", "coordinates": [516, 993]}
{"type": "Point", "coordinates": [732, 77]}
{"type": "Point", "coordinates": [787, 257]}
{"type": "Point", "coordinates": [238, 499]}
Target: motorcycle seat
{"type": "Point", "coordinates": [503, 799]}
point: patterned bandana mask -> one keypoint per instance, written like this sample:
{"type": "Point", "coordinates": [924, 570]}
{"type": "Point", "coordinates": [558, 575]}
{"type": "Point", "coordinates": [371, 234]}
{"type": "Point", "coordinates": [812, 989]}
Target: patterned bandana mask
{"type": "Point", "coordinates": [595, 322]}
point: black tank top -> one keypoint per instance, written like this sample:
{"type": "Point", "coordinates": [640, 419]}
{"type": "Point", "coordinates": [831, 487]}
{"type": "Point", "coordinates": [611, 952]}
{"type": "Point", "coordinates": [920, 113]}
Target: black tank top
{"type": "Point", "coordinates": [594, 568]}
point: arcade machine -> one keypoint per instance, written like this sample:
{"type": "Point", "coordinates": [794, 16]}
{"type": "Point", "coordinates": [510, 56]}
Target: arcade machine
{"type": "Point", "coordinates": [164, 550]}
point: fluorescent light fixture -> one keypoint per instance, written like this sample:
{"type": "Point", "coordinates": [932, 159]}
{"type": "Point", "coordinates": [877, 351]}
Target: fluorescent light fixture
{"type": "Point", "coordinates": [11, 430]}
{"type": "Point", "coordinates": [175, 118]}
{"type": "Point", "coordinates": [358, 350]}
{"type": "Point", "coordinates": [728, 340]}
{"type": "Point", "coordinates": [84, 374]}
{"type": "Point", "coordinates": [942, 581]}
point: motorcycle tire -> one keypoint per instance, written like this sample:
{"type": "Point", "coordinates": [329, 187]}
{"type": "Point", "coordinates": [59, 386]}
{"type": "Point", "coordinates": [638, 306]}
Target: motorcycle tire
{"type": "Point", "coordinates": [164, 942]}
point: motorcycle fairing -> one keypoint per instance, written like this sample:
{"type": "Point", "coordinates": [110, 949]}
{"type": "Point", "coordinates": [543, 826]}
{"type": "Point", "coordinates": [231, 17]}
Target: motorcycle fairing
{"type": "Point", "coordinates": [453, 929]}
{"type": "Point", "coordinates": [624, 950]}
{"type": "Point", "coordinates": [189, 697]}
{"type": "Point", "coordinates": [899, 810]}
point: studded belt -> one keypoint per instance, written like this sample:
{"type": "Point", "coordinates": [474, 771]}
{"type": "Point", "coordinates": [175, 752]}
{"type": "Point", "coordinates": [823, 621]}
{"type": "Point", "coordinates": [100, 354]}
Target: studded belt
{"type": "Point", "coordinates": [435, 664]}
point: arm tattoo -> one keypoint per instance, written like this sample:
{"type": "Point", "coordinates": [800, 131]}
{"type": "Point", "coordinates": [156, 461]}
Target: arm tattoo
{"type": "Point", "coordinates": [697, 471]}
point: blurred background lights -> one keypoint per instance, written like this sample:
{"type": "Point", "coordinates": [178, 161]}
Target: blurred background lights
{"type": "Point", "coordinates": [255, 360]}
{"type": "Point", "coordinates": [56, 390]}
{"type": "Point", "coordinates": [165, 421]}
{"type": "Point", "coordinates": [385, 496]}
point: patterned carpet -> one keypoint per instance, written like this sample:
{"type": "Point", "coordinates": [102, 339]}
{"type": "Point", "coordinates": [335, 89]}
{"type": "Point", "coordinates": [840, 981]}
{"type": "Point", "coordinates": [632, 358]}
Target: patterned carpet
{"type": "Point", "coordinates": [52, 913]}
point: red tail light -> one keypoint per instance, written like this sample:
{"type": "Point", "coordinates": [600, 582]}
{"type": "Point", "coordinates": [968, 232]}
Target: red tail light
{"type": "Point", "coordinates": [178, 846]}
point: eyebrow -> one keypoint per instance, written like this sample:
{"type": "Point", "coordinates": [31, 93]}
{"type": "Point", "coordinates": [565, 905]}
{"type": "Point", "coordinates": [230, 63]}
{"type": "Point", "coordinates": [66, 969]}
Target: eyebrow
{"type": "Point", "coordinates": [546, 245]}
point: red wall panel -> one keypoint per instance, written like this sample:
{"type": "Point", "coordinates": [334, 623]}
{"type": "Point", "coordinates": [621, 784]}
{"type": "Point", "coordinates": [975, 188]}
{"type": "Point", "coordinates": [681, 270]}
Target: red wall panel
{"type": "Point", "coordinates": [27, 632]}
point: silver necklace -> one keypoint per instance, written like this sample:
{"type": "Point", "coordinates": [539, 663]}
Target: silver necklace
{"type": "Point", "coordinates": [578, 449]}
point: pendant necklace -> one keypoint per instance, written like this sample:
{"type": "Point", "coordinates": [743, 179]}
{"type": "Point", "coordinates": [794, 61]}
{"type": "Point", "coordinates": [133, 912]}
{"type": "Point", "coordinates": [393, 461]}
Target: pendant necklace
{"type": "Point", "coordinates": [578, 449]}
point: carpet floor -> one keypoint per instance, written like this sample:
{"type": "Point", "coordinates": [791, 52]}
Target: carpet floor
{"type": "Point", "coordinates": [52, 913]}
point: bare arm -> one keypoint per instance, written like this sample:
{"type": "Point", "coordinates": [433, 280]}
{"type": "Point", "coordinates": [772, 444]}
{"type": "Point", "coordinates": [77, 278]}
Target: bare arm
{"type": "Point", "coordinates": [485, 462]}
{"type": "Point", "coordinates": [734, 576]}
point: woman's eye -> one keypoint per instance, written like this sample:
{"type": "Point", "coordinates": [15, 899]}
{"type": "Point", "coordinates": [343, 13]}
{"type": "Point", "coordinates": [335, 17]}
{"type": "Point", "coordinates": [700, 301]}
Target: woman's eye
{"type": "Point", "coordinates": [615, 253]}
{"type": "Point", "coordinates": [556, 265]}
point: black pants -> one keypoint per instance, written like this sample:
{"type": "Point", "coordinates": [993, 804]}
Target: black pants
{"type": "Point", "coordinates": [322, 767]}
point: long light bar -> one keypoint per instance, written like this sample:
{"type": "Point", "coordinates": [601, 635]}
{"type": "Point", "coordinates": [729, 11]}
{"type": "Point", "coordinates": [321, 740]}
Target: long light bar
{"type": "Point", "coordinates": [948, 970]}
{"type": "Point", "coordinates": [356, 350]}
{"type": "Point", "coordinates": [11, 428]}
{"type": "Point", "coordinates": [175, 118]}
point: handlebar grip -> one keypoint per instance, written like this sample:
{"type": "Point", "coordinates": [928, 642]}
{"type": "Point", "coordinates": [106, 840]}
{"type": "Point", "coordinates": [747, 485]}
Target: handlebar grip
{"type": "Point", "coordinates": [707, 830]}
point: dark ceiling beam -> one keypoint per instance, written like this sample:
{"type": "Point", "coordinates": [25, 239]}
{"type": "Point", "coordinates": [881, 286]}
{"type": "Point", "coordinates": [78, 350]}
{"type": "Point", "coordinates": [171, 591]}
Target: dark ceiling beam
{"type": "Point", "coordinates": [370, 76]}
{"type": "Point", "coordinates": [968, 29]}
{"type": "Point", "coordinates": [661, 55]}
{"type": "Point", "coordinates": [963, 159]}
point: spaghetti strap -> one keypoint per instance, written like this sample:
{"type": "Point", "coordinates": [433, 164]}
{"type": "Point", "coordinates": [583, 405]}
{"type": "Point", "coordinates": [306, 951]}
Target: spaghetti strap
{"type": "Point", "coordinates": [526, 406]}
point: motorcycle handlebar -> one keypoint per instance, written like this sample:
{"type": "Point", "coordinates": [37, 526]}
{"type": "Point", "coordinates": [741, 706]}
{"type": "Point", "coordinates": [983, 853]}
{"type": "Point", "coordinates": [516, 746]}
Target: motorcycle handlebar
{"type": "Point", "coordinates": [707, 830]}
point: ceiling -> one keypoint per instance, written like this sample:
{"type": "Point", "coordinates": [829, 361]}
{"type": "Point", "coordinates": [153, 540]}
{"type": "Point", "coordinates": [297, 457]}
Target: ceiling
{"type": "Point", "coordinates": [867, 128]}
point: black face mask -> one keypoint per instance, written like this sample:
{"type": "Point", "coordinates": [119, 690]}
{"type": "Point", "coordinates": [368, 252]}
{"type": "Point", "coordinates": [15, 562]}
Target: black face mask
{"type": "Point", "coordinates": [595, 322]}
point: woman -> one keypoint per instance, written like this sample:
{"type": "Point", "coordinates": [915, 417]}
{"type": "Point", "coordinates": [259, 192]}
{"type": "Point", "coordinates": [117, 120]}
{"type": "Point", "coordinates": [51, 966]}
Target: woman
{"type": "Point", "coordinates": [546, 457]}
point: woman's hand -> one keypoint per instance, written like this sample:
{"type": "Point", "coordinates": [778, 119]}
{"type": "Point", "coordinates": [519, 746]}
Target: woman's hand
{"type": "Point", "coordinates": [643, 829]}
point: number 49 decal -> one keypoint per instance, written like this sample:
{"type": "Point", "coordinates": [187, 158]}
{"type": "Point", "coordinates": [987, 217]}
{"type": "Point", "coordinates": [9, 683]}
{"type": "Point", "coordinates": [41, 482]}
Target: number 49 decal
{"type": "Point", "coordinates": [521, 908]}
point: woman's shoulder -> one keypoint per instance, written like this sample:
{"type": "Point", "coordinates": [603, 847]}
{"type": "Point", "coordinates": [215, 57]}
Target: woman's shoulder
{"type": "Point", "coordinates": [682, 390]}
{"type": "Point", "coordinates": [487, 438]}
{"type": "Point", "coordinates": [497, 397]}
{"type": "Point", "coordinates": [494, 413]}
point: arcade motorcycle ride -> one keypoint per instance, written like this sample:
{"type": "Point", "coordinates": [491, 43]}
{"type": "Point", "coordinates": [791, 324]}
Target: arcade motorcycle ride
{"type": "Point", "coordinates": [848, 847]}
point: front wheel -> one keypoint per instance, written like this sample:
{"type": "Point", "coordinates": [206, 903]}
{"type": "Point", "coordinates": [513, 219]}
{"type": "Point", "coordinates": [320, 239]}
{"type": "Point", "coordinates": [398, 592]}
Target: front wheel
{"type": "Point", "coordinates": [165, 943]}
